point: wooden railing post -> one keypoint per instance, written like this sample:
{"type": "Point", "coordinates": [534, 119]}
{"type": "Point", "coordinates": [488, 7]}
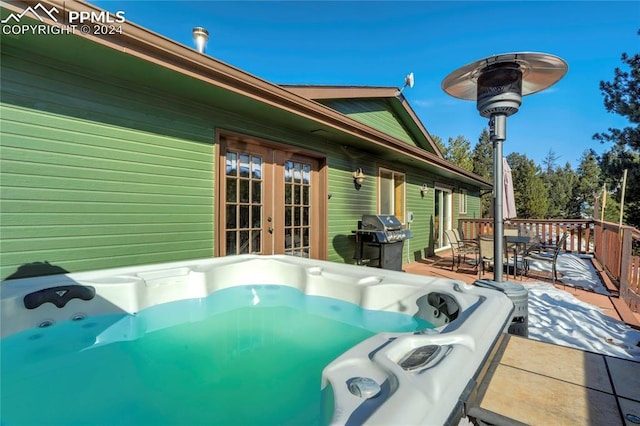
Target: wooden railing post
{"type": "Point", "coordinates": [625, 261]}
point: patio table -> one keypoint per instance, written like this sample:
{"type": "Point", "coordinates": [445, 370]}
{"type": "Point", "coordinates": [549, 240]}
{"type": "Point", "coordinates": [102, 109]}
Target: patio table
{"type": "Point", "coordinates": [520, 243]}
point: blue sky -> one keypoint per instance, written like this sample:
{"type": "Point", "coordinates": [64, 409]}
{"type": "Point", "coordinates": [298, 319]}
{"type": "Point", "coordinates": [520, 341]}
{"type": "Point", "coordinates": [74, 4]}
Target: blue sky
{"type": "Point", "coordinates": [378, 43]}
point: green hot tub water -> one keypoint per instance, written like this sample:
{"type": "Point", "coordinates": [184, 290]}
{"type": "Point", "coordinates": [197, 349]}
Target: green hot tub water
{"type": "Point", "coordinates": [242, 356]}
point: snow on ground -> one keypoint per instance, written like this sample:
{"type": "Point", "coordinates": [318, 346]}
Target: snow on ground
{"type": "Point", "coordinates": [556, 316]}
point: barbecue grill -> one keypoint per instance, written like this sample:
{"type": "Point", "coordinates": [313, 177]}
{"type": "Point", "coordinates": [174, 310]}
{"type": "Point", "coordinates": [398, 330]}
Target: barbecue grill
{"type": "Point", "coordinates": [379, 241]}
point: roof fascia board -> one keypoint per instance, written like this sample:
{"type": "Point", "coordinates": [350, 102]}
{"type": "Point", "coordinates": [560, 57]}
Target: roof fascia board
{"type": "Point", "coordinates": [341, 92]}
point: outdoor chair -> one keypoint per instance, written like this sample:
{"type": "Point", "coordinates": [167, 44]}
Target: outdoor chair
{"type": "Point", "coordinates": [486, 256]}
{"type": "Point", "coordinates": [460, 237]}
{"type": "Point", "coordinates": [545, 253]}
{"type": "Point", "coordinates": [459, 248]}
{"type": "Point", "coordinates": [511, 249]}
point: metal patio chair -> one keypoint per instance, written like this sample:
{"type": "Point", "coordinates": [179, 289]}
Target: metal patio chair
{"type": "Point", "coordinates": [545, 253]}
{"type": "Point", "coordinates": [486, 255]}
{"type": "Point", "coordinates": [460, 248]}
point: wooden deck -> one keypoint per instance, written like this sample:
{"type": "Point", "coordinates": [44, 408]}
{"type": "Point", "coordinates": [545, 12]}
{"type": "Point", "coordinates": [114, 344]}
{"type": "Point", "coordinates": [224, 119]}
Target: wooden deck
{"type": "Point", "coordinates": [440, 266]}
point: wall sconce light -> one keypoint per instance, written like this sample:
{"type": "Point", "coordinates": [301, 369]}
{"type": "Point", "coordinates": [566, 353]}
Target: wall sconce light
{"type": "Point", "coordinates": [423, 190]}
{"type": "Point", "coordinates": [358, 178]}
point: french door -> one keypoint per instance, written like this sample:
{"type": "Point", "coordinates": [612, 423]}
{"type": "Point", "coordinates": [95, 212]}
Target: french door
{"type": "Point", "coordinates": [268, 201]}
{"type": "Point", "coordinates": [442, 215]}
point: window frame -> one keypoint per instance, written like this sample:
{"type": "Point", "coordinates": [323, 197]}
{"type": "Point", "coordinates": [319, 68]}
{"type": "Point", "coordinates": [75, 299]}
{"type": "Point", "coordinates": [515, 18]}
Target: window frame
{"type": "Point", "coordinates": [463, 195]}
{"type": "Point", "coordinates": [394, 193]}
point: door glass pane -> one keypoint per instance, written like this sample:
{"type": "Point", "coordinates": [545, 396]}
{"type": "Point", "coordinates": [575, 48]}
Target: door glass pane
{"type": "Point", "coordinates": [256, 243]}
{"type": "Point", "coordinates": [256, 216]}
{"type": "Point", "coordinates": [232, 164]}
{"type": "Point", "coordinates": [244, 242]}
{"type": "Point", "coordinates": [231, 242]}
{"type": "Point", "coordinates": [244, 165]}
{"type": "Point", "coordinates": [256, 167]}
{"type": "Point", "coordinates": [296, 195]}
{"type": "Point", "coordinates": [232, 190]}
{"type": "Point", "coordinates": [386, 192]}
{"type": "Point", "coordinates": [231, 217]}
{"type": "Point", "coordinates": [287, 193]}
{"type": "Point", "coordinates": [244, 217]}
{"type": "Point", "coordinates": [287, 238]}
{"type": "Point", "coordinates": [296, 216]}
{"type": "Point", "coordinates": [288, 171]}
{"type": "Point", "coordinates": [442, 216]}
{"type": "Point", "coordinates": [256, 191]}
{"type": "Point", "coordinates": [244, 191]}
{"type": "Point", "coordinates": [437, 228]}
{"type": "Point", "coordinates": [306, 174]}
{"type": "Point", "coordinates": [287, 216]}
{"type": "Point", "coordinates": [297, 174]}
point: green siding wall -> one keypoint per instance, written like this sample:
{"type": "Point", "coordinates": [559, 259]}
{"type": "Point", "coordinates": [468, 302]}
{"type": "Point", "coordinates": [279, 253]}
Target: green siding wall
{"type": "Point", "coordinates": [83, 187]}
{"type": "Point", "coordinates": [97, 172]}
{"type": "Point", "coordinates": [347, 205]}
{"type": "Point", "coordinates": [372, 112]}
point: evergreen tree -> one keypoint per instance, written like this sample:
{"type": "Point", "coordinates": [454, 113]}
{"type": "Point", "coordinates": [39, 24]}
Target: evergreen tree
{"type": "Point", "coordinates": [457, 151]}
{"type": "Point", "coordinates": [560, 183]}
{"type": "Point", "coordinates": [549, 178]}
{"type": "Point", "coordinates": [482, 160]}
{"type": "Point", "coordinates": [586, 187]}
{"type": "Point", "coordinates": [439, 143]}
{"type": "Point", "coordinates": [529, 190]}
{"type": "Point", "coordinates": [622, 97]}
{"type": "Point", "coordinates": [460, 152]}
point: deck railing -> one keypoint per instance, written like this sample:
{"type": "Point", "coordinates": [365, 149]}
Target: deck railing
{"type": "Point", "coordinates": [546, 230]}
{"type": "Point", "coordinates": [617, 248]}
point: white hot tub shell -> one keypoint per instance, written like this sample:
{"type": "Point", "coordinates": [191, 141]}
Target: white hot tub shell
{"type": "Point", "coordinates": [390, 378]}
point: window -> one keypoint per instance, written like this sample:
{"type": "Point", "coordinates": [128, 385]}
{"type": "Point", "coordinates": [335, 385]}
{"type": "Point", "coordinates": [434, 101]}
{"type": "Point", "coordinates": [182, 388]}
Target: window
{"type": "Point", "coordinates": [391, 193]}
{"type": "Point", "coordinates": [462, 201]}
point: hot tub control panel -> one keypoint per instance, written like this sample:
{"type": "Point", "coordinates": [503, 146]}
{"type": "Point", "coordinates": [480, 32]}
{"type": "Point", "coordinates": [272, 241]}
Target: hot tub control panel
{"type": "Point", "coordinates": [420, 357]}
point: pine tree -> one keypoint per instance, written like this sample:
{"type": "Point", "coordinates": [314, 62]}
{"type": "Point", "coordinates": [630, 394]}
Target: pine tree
{"type": "Point", "coordinates": [482, 160]}
{"type": "Point", "coordinates": [586, 187]}
{"type": "Point", "coordinates": [622, 97]}
{"type": "Point", "coordinates": [560, 183]}
{"type": "Point", "coordinates": [459, 152]}
{"type": "Point", "coordinates": [529, 190]}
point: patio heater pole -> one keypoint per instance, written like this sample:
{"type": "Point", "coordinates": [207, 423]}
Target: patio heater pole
{"type": "Point", "coordinates": [497, 84]}
{"type": "Point", "coordinates": [497, 132]}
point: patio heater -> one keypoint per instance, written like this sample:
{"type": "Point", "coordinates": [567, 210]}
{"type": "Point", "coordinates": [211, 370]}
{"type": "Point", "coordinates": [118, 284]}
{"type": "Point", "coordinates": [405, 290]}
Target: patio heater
{"type": "Point", "coordinates": [497, 84]}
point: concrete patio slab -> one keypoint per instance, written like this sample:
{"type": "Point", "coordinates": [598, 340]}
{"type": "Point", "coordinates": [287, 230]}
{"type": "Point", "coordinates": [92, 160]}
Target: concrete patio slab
{"type": "Point", "coordinates": [536, 383]}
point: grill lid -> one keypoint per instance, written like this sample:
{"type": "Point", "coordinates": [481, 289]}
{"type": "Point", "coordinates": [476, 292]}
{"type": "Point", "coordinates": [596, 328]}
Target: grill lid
{"type": "Point", "coordinates": [381, 222]}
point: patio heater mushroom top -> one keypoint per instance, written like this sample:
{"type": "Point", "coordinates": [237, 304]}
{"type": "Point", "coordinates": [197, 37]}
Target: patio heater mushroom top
{"type": "Point", "coordinates": [497, 84]}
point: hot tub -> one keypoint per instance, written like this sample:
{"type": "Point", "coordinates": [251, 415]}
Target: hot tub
{"type": "Point", "coordinates": [427, 339]}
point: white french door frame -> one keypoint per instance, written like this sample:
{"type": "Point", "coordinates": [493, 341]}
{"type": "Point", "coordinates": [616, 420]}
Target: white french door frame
{"type": "Point", "coordinates": [443, 203]}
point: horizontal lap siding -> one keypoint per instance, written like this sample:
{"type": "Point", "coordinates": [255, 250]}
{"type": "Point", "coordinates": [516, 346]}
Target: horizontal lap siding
{"type": "Point", "coordinates": [86, 184]}
{"type": "Point", "coordinates": [347, 205]}
{"type": "Point", "coordinates": [372, 112]}
{"type": "Point", "coordinates": [421, 245]}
